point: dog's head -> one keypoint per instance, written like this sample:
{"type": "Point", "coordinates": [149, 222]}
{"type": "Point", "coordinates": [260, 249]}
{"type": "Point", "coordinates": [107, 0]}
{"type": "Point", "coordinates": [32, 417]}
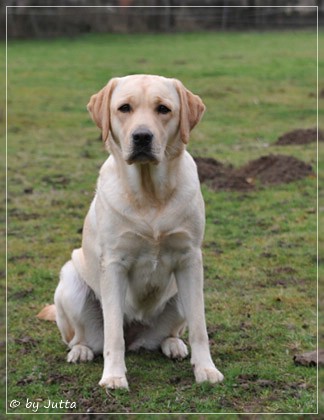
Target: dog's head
{"type": "Point", "coordinates": [145, 118]}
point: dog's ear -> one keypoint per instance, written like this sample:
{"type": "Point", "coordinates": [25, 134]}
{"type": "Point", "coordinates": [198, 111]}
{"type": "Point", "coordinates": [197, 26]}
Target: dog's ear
{"type": "Point", "coordinates": [98, 108]}
{"type": "Point", "coordinates": [192, 109]}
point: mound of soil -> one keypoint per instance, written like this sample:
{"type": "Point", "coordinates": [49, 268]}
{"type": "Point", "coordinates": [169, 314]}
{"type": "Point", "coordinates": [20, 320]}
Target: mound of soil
{"type": "Point", "coordinates": [300, 136]}
{"type": "Point", "coordinates": [311, 358]}
{"type": "Point", "coordinates": [210, 168]}
{"type": "Point", "coordinates": [275, 169]}
{"type": "Point", "coordinates": [267, 170]}
{"type": "Point", "coordinates": [219, 176]}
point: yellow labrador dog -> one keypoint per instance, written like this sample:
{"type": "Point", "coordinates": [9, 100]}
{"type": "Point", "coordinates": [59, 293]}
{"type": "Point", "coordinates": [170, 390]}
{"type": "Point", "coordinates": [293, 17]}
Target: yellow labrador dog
{"type": "Point", "coordinates": [137, 280]}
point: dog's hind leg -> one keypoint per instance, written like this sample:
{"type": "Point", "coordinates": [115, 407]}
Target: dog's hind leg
{"type": "Point", "coordinates": [79, 316]}
{"type": "Point", "coordinates": [164, 332]}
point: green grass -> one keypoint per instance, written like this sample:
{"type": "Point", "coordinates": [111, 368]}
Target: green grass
{"type": "Point", "coordinates": [259, 248]}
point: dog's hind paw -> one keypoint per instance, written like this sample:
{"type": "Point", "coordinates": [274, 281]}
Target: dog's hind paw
{"type": "Point", "coordinates": [114, 382]}
{"type": "Point", "coordinates": [80, 353]}
{"type": "Point", "coordinates": [174, 348]}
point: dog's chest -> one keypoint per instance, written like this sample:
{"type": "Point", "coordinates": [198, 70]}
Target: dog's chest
{"type": "Point", "coordinates": [154, 250]}
{"type": "Point", "coordinates": [152, 256]}
{"type": "Point", "coordinates": [151, 261]}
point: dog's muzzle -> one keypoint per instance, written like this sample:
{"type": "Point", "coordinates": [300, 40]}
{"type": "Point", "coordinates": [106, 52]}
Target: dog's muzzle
{"type": "Point", "coordinates": [142, 140]}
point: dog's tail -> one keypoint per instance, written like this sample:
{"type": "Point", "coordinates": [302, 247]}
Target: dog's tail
{"type": "Point", "coordinates": [48, 313]}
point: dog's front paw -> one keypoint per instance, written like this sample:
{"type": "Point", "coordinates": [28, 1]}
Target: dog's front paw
{"type": "Point", "coordinates": [114, 382]}
{"type": "Point", "coordinates": [208, 374]}
{"type": "Point", "coordinates": [80, 353]}
{"type": "Point", "coordinates": [174, 348]}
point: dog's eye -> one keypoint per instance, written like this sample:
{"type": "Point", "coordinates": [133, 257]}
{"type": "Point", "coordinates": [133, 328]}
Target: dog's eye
{"type": "Point", "coordinates": [125, 108]}
{"type": "Point", "coordinates": [162, 109]}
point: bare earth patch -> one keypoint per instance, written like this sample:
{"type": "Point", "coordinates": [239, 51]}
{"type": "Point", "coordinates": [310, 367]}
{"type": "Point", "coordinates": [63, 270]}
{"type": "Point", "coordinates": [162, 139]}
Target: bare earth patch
{"type": "Point", "coordinates": [221, 177]}
{"type": "Point", "coordinates": [276, 169]}
{"type": "Point", "coordinates": [311, 358]}
{"type": "Point", "coordinates": [300, 136]}
{"type": "Point", "coordinates": [266, 170]}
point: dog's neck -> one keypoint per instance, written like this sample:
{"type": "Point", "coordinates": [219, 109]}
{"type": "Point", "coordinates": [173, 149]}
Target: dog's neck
{"type": "Point", "coordinates": [151, 185]}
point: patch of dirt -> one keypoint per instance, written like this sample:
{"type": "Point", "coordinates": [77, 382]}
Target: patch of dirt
{"type": "Point", "coordinates": [57, 378]}
{"type": "Point", "coordinates": [310, 358]}
{"type": "Point", "coordinates": [19, 214]}
{"type": "Point", "coordinates": [27, 344]}
{"type": "Point", "coordinates": [253, 382]}
{"type": "Point", "coordinates": [27, 341]}
{"type": "Point", "coordinates": [27, 380]}
{"type": "Point", "coordinates": [22, 257]}
{"type": "Point", "coordinates": [21, 294]}
{"type": "Point", "coordinates": [276, 169]}
{"type": "Point", "coordinates": [300, 136]}
{"type": "Point", "coordinates": [267, 170]}
{"type": "Point", "coordinates": [28, 190]}
{"type": "Point", "coordinates": [219, 176]}
{"type": "Point", "coordinates": [284, 270]}
{"type": "Point", "coordinates": [56, 180]}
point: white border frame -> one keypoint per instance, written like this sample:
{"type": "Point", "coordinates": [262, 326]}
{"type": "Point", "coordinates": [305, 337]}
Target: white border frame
{"type": "Point", "coordinates": [6, 218]}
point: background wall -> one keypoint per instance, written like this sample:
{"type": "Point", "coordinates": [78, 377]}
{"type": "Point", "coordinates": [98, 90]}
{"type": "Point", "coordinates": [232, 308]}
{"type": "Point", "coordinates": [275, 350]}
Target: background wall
{"type": "Point", "coordinates": [26, 21]}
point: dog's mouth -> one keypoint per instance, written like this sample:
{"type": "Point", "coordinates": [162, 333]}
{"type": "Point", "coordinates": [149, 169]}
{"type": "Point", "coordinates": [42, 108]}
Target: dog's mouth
{"type": "Point", "coordinates": [142, 157]}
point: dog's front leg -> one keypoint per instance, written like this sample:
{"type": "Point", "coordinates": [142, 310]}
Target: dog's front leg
{"type": "Point", "coordinates": [113, 285]}
{"type": "Point", "coordinates": [189, 277]}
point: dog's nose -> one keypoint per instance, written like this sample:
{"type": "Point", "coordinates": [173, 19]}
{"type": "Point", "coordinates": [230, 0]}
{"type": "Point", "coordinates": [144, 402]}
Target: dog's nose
{"type": "Point", "coordinates": [142, 137]}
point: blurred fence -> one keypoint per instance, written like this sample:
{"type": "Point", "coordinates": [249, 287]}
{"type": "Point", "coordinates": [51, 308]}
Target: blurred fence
{"type": "Point", "coordinates": [35, 18]}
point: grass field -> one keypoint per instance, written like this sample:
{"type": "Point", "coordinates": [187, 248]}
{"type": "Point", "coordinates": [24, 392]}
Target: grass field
{"type": "Point", "coordinates": [259, 248]}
